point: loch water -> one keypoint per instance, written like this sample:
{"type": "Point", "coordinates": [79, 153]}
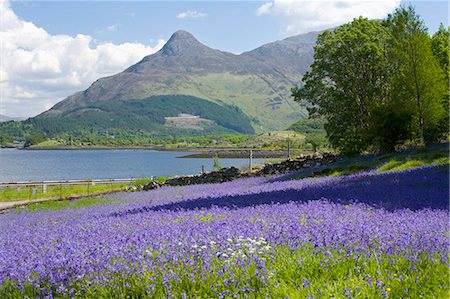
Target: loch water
{"type": "Point", "coordinates": [43, 165]}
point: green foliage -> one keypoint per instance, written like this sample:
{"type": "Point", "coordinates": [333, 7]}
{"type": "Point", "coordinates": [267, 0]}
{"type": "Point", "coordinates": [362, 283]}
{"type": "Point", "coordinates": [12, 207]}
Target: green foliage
{"type": "Point", "coordinates": [5, 138]}
{"type": "Point", "coordinates": [342, 170]}
{"type": "Point", "coordinates": [146, 115]}
{"type": "Point", "coordinates": [352, 141]}
{"type": "Point", "coordinates": [418, 82]}
{"type": "Point", "coordinates": [284, 272]}
{"type": "Point", "coordinates": [16, 129]}
{"type": "Point", "coordinates": [346, 81]}
{"type": "Point", "coordinates": [309, 126]}
{"type": "Point", "coordinates": [440, 44]}
{"type": "Point", "coordinates": [378, 84]}
{"type": "Point", "coordinates": [386, 162]}
{"type": "Point", "coordinates": [389, 127]}
{"type": "Point", "coordinates": [34, 138]}
{"type": "Point", "coordinates": [141, 181]}
{"type": "Point", "coordinates": [216, 164]}
{"type": "Point", "coordinates": [416, 159]}
{"type": "Point", "coordinates": [69, 204]}
{"type": "Point", "coordinates": [317, 140]}
{"type": "Point", "coordinates": [56, 191]}
{"type": "Point", "coordinates": [307, 273]}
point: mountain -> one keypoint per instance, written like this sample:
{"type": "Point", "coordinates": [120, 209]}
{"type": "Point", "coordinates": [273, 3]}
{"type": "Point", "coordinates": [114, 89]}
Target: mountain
{"type": "Point", "coordinates": [255, 85]}
{"type": "Point", "coordinates": [4, 118]}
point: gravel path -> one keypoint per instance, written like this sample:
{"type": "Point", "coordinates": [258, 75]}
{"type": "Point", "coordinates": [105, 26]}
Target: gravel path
{"type": "Point", "coordinates": [11, 204]}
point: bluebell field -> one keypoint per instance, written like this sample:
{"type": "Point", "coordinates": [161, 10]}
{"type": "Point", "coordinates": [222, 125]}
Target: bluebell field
{"type": "Point", "coordinates": [240, 239]}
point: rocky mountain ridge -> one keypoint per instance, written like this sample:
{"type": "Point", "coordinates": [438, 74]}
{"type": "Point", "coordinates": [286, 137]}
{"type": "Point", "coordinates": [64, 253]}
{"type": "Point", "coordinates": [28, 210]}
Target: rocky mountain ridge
{"type": "Point", "coordinates": [257, 82]}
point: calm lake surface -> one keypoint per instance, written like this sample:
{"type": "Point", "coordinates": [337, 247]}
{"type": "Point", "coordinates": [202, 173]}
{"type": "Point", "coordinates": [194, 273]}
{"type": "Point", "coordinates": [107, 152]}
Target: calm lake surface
{"type": "Point", "coordinates": [44, 165]}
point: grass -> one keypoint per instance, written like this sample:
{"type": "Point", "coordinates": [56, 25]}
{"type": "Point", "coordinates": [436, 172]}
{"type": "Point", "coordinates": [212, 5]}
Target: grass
{"type": "Point", "coordinates": [283, 273]}
{"type": "Point", "coordinates": [56, 205]}
{"type": "Point", "coordinates": [342, 170]}
{"type": "Point", "coordinates": [421, 157]}
{"type": "Point", "coordinates": [387, 162]}
{"type": "Point", "coordinates": [8, 194]}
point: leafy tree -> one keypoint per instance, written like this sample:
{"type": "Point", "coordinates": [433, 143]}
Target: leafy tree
{"type": "Point", "coordinates": [308, 126]}
{"type": "Point", "coordinates": [378, 84]}
{"type": "Point", "coordinates": [418, 84]}
{"type": "Point", "coordinates": [441, 48]}
{"type": "Point", "coordinates": [34, 138]}
{"type": "Point", "coordinates": [440, 44]}
{"type": "Point", "coordinates": [347, 81]}
{"type": "Point", "coordinates": [390, 126]}
{"type": "Point", "coordinates": [5, 138]}
{"type": "Point", "coordinates": [317, 140]}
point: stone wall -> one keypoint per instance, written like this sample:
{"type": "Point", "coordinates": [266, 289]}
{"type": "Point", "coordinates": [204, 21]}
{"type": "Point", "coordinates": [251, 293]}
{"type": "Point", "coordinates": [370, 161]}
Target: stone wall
{"type": "Point", "coordinates": [298, 163]}
{"type": "Point", "coordinates": [229, 174]}
{"type": "Point", "coordinates": [223, 175]}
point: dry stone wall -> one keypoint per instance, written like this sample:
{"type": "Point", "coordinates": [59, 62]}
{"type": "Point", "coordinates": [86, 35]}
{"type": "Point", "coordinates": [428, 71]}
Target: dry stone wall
{"type": "Point", "coordinates": [232, 173]}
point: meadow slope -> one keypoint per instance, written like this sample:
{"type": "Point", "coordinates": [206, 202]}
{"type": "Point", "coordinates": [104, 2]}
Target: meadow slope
{"type": "Point", "coordinates": [367, 235]}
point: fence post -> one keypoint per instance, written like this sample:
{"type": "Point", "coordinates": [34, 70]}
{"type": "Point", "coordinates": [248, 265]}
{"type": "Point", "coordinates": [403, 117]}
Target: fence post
{"type": "Point", "coordinates": [60, 190]}
{"type": "Point", "coordinates": [250, 166]}
{"type": "Point", "coordinates": [88, 184]}
{"type": "Point", "coordinates": [289, 150]}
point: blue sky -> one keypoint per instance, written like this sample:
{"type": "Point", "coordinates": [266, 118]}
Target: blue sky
{"type": "Point", "coordinates": [51, 49]}
{"type": "Point", "coordinates": [227, 25]}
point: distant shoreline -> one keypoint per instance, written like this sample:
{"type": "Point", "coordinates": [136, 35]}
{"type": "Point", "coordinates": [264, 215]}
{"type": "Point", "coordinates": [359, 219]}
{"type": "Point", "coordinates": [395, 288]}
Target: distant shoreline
{"type": "Point", "coordinates": [197, 152]}
{"type": "Point", "coordinates": [239, 153]}
{"type": "Point", "coordinates": [155, 148]}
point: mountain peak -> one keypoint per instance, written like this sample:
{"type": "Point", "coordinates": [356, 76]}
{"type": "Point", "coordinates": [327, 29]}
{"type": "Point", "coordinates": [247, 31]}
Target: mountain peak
{"type": "Point", "coordinates": [182, 34]}
{"type": "Point", "coordinates": [179, 42]}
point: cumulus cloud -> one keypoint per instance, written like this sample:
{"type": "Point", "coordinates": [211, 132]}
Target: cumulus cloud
{"type": "Point", "coordinates": [264, 9]}
{"type": "Point", "coordinates": [191, 14]}
{"type": "Point", "coordinates": [304, 16]}
{"type": "Point", "coordinates": [39, 69]}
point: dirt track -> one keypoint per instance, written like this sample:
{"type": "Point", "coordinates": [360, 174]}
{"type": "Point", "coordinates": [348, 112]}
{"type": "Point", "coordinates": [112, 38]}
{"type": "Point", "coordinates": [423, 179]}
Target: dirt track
{"type": "Point", "coordinates": [11, 204]}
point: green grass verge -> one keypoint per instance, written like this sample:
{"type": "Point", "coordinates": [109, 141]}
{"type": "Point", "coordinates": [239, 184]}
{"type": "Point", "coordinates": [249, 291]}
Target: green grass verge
{"type": "Point", "coordinates": [8, 194]}
{"type": "Point", "coordinates": [343, 170]}
{"type": "Point", "coordinates": [56, 205]}
{"type": "Point", "coordinates": [421, 157]}
{"type": "Point", "coordinates": [281, 273]}
{"type": "Point", "coordinates": [387, 162]}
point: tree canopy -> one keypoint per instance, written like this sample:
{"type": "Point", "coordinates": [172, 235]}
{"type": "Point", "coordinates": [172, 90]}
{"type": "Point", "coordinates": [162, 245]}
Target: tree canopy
{"type": "Point", "coordinates": [377, 83]}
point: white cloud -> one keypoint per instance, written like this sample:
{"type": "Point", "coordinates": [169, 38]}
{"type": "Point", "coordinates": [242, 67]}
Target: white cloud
{"type": "Point", "coordinates": [304, 16]}
{"type": "Point", "coordinates": [191, 14]}
{"type": "Point", "coordinates": [112, 28]}
{"type": "Point", "coordinates": [264, 9]}
{"type": "Point", "coordinates": [38, 69]}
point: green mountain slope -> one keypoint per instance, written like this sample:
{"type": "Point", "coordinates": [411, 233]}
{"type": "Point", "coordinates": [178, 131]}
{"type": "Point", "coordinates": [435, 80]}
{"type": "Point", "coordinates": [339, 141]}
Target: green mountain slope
{"type": "Point", "coordinates": [156, 114]}
{"type": "Point", "coordinates": [257, 82]}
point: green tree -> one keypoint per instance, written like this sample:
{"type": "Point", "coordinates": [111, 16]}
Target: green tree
{"type": "Point", "coordinates": [34, 138]}
{"type": "Point", "coordinates": [418, 84]}
{"type": "Point", "coordinates": [347, 81]}
{"type": "Point", "coordinates": [390, 126]}
{"type": "Point", "coordinates": [441, 48]}
{"type": "Point", "coordinates": [317, 140]}
{"type": "Point", "coordinates": [5, 138]}
{"type": "Point", "coordinates": [440, 44]}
